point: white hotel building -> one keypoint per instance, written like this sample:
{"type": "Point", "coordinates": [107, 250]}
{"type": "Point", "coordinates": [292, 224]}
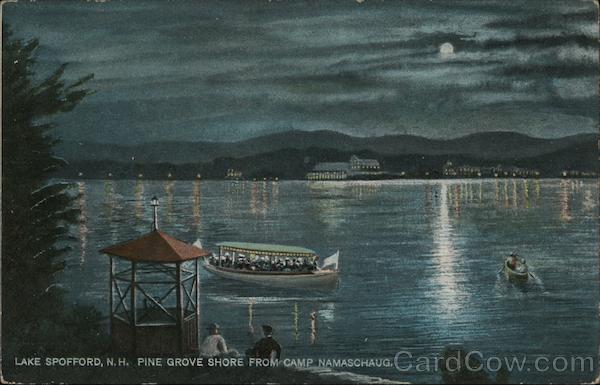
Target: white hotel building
{"type": "Point", "coordinates": [355, 168]}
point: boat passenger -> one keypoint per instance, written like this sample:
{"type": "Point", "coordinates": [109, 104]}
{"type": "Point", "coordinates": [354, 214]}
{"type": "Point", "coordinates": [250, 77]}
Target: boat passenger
{"type": "Point", "coordinates": [306, 266]}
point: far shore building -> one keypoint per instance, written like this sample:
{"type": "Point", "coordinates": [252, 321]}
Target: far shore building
{"type": "Point", "coordinates": [356, 168]}
{"type": "Point", "coordinates": [362, 166]}
{"type": "Point", "coordinates": [329, 171]}
{"type": "Point", "coordinates": [233, 174]}
{"type": "Point", "coordinates": [466, 171]}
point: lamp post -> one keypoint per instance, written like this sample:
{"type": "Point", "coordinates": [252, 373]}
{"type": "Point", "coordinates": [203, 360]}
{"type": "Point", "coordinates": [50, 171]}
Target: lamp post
{"type": "Point", "coordinates": [154, 203]}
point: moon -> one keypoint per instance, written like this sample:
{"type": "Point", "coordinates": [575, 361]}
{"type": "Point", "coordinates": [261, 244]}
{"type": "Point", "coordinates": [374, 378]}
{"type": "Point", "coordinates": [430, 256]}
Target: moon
{"type": "Point", "coordinates": [446, 49]}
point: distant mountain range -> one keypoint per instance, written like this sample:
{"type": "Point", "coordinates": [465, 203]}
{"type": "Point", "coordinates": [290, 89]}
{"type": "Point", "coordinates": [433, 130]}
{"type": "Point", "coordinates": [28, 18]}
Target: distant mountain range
{"type": "Point", "coordinates": [484, 146]}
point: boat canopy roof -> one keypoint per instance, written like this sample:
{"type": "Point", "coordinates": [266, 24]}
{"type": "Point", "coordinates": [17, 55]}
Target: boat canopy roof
{"type": "Point", "coordinates": [272, 249]}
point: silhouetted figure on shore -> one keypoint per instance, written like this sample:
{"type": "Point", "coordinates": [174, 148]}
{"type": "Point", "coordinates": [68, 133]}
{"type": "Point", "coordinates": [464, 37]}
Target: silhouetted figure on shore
{"type": "Point", "coordinates": [266, 347]}
{"type": "Point", "coordinates": [214, 344]}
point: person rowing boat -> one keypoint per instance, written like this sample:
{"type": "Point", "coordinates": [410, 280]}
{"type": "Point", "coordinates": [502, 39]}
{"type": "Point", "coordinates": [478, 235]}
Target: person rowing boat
{"type": "Point", "coordinates": [516, 268]}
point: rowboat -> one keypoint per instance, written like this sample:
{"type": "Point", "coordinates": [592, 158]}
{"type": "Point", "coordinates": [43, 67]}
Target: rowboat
{"type": "Point", "coordinates": [515, 268]}
{"type": "Point", "coordinates": [272, 265]}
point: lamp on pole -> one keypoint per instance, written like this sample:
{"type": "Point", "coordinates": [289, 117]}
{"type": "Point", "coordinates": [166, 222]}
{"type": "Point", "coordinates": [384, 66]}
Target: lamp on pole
{"type": "Point", "coordinates": [154, 203]}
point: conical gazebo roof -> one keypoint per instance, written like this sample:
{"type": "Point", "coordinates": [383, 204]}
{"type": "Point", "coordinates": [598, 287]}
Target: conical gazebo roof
{"type": "Point", "coordinates": [155, 246]}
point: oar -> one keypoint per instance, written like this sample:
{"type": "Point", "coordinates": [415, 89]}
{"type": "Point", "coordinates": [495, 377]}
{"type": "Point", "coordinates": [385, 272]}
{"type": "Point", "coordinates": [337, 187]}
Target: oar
{"type": "Point", "coordinates": [503, 266]}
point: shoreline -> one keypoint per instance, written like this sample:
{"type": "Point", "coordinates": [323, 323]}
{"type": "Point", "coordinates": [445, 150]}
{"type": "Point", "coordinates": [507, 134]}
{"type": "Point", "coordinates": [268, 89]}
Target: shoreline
{"type": "Point", "coordinates": [187, 375]}
{"type": "Point", "coordinates": [77, 179]}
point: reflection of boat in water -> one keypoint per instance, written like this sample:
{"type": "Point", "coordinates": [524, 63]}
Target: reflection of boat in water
{"type": "Point", "coordinates": [273, 265]}
{"type": "Point", "coordinates": [515, 268]}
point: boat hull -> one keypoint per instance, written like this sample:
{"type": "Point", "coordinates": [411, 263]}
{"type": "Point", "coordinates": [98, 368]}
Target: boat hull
{"type": "Point", "coordinates": [321, 278]}
{"type": "Point", "coordinates": [514, 275]}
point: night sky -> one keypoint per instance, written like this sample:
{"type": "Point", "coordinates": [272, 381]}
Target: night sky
{"type": "Point", "coordinates": [230, 70]}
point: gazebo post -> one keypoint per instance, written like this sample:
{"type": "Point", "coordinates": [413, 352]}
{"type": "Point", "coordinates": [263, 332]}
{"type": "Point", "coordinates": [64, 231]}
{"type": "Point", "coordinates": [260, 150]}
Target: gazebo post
{"type": "Point", "coordinates": [197, 304]}
{"type": "Point", "coordinates": [133, 306]}
{"type": "Point", "coordinates": [180, 309]}
{"type": "Point", "coordinates": [111, 277]}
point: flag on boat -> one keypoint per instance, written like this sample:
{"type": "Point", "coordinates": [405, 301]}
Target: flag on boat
{"type": "Point", "coordinates": [332, 261]}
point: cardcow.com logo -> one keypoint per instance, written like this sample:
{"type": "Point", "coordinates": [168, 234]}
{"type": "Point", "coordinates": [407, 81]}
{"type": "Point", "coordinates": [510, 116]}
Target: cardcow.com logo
{"type": "Point", "coordinates": [476, 361]}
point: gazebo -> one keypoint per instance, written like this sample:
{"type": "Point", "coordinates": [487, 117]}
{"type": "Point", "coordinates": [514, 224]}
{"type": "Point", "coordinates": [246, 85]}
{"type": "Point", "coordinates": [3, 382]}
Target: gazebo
{"type": "Point", "coordinates": [154, 293]}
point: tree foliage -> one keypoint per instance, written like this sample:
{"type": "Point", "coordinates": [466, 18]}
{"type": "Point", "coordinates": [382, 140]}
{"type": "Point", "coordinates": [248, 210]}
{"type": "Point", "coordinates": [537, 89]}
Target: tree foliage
{"type": "Point", "coordinates": [36, 211]}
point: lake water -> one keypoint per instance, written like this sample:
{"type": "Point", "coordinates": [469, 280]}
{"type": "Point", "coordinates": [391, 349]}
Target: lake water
{"type": "Point", "coordinates": [419, 264]}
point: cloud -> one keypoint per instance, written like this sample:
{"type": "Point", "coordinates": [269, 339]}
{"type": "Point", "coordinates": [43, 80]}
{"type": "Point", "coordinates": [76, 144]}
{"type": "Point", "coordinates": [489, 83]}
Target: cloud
{"type": "Point", "coordinates": [575, 88]}
{"type": "Point", "coordinates": [544, 21]}
{"type": "Point", "coordinates": [565, 70]}
{"type": "Point", "coordinates": [230, 70]}
{"type": "Point", "coordinates": [550, 40]}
